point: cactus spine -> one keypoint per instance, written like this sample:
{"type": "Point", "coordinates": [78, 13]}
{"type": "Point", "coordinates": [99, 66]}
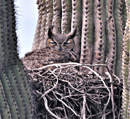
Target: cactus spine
{"type": "Point", "coordinates": [15, 95]}
{"type": "Point", "coordinates": [87, 32]}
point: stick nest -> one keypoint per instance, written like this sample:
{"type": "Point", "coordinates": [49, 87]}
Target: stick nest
{"type": "Point", "coordinates": [75, 91]}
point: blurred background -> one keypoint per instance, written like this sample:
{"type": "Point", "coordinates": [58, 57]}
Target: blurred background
{"type": "Point", "coordinates": [27, 15]}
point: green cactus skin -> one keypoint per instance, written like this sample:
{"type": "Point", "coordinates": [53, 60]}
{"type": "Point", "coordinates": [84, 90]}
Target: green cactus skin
{"type": "Point", "coordinates": [126, 66]}
{"type": "Point", "coordinates": [111, 36]}
{"type": "Point", "coordinates": [76, 22]}
{"type": "Point", "coordinates": [118, 16]}
{"type": "Point", "coordinates": [66, 16]}
{"type": "Point", "coordinates": [4, 108]}
{"type": "Point", "coordinates": [49, 17]}
{"type": "Point", "coordinates": [87, 32]}
{"type": "Point", "coordinates": [40, 29]}
{"type": "Point", "coordinates": [43, 24]}
{"type": "Point", "coordinates": [99, 45]}
{"type": "Point", "coordinates": [15, 94]}
{"type": "Point", "coordinates": [57, 16]}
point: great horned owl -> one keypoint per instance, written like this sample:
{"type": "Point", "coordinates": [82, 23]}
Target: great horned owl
{"type": "Point", "coordinates": [59, 49]}
{"type": "Point", "coordinates": [61, 42]}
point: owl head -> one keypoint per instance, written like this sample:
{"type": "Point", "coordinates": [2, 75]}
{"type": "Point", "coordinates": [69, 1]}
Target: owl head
{"type": "Point", "coordinates": [61, 42]}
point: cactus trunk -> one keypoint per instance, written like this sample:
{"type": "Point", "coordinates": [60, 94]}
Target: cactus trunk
{"type": "Point", "coordinates": [15, 95]}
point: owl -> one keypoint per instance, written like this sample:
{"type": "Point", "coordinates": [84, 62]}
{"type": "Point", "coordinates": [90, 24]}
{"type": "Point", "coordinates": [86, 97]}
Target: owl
{"type": "Point", "coordinates": [59, 49]}
{"type": "Point", "coordinates": [61, 42]}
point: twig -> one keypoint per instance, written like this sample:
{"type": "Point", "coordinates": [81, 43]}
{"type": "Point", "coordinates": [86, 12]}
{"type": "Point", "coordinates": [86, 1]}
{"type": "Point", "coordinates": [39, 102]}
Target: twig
{"type": "Point", "coordinates": [47, 108]}
{"type": "Point", "coordinates": [64, 64]}
{"type": "Point", "coordinates": [72, 86]}
{"type": "Point", "coordinates": [83, 110]}
{"type": "Point", "coordinates": [104, 85]}
{"type": "Point", "coordinates": [67, 106]}
{"type": "Point", "coordinates": [117, 78]}
{"type": "Point", "coordinates": [112, 94]}
{"type": "Point", "coordinates": [52, 87]}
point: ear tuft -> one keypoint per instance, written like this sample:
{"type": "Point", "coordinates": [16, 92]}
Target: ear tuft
{"type": "Point", "coordinates": [50, 33]}
{"type": "Point", "coordinates": [72, 34]}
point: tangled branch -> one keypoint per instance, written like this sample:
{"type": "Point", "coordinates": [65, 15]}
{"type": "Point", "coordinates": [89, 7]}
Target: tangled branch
{"type": "Point", "coordinates": [61, 92]}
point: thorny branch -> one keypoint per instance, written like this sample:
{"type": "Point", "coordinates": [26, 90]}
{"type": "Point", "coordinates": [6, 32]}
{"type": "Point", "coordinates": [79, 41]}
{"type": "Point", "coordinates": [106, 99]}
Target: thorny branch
{"type": "Point", "coordinates": [62, 93]}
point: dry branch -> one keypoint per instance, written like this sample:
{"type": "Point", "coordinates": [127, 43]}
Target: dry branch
{"type": "Point", "coordinates": [61, 92]}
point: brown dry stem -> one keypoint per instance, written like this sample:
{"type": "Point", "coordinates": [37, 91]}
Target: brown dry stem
{"type": "Point", "coordinates": [61, 92]}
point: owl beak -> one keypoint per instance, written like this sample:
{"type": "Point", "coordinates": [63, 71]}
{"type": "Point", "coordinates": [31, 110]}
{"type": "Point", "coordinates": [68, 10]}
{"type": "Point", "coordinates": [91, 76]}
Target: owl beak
{"type": "Point", "coordinates": [60, 48]}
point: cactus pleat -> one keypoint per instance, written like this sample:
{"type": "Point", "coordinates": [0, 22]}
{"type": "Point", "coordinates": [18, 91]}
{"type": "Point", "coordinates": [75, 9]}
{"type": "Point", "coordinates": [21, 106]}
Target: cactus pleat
{"type": "Point", "coordinates": [57, 16]}
{"type": "Point", "coordinates": [66, 16]}
{"type": "Point", "coordinates": [76, 22]}
{"type": "Point", "coordinates": [4, 108]}
{"type": "Point", "coordinates": [126, 66]}
{"type": "Point", "coordinates": [118, 15]}
{"type": "Point", "coordinates": [17, 68]}
{"type": "Point", "coordinates": [15, 92]}
{"type": "Point", "coordinates": [87, 32]}
{"type": "Point", "coordinates": [43, 24]}
{"type": "Point", "coordinates": [99, 47]}
{"type": "Point", "coordinates": [124, 14]}
{"type": "Point", "coordinates": [40, 22]}
{"type": "Point", "coordinates": [49, 17]}
{"type": "Point", "coordinates": [10, 96]}
{"type": "Point", "coordinates": [111, 56]}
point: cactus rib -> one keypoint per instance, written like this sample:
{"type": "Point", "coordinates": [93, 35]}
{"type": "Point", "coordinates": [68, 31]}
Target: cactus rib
{"type": "Point", "coordinates": [76, 23]}
{"type": "Point", "coordinates": [49, 16]}
{"type": "Point", "coordinates": [99, 47]}
{"type": "Point", "coordinates": [126, 66]}
{"type": "Point", "coordinates": [4, 108]}
{"type": "Point", "coordinates": [111, 36]}
{"type": "Point", "coordinates": [57, 16]}
{"type": "Point", "coordinates": [87, 30]}
{"type": "Point", "coordinates": [39, 27]}
{"type": "Point", "coordinates": [118, 16]}
{"type": "Point", "coordinates": [66, 19]}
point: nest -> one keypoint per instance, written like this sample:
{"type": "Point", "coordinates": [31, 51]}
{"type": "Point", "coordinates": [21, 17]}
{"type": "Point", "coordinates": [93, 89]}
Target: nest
{"type": "Point", "coordinates": [61, 91]}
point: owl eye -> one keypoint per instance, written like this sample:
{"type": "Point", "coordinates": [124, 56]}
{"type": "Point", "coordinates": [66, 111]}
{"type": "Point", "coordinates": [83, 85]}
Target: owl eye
{"type": "Point", "coordinates": [68, 41]}
{"type": "Point", "coordinates": [52, 42]}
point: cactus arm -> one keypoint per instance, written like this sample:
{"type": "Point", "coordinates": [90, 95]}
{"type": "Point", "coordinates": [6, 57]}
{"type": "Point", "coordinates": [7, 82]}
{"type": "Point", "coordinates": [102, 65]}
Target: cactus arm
{"type": "Point", "coordinates": [66, 16]}
{"type": "Point", "coordinates": [22, 82]}
{"type": "Point", "coordinates": [41, 11]}
{"type": "Point", "coordinates": [57, 16]}
{"type": "Point", "coordinates": [17, 95]}
{"type": "Point", "coordinates": [99, 46]}
{"type": "Point", "coordinates": [118, 16]}
{"type": "Point", "coordinates": [125, 66]}
{"type": "Point", "coordinates": [125, 72]}
{"type": "Point", "coordinates": [87, 32]}
{"type": "Point", "coordinates": [76, 23]}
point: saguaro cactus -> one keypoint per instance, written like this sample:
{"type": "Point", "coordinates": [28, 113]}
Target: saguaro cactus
{"type": "Point", "coordinates": [15, 95]}
{"type": "Point", "coordinates": [99, 26]}
{"type": "Point", "coordinates": [126, 66]}
{"type": "Point", "coordinates": [101, 35]}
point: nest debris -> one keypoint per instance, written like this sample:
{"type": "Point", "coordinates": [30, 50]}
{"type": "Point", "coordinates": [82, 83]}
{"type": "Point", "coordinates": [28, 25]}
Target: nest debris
{"type": "Point", "coordinates": [60, 91]}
